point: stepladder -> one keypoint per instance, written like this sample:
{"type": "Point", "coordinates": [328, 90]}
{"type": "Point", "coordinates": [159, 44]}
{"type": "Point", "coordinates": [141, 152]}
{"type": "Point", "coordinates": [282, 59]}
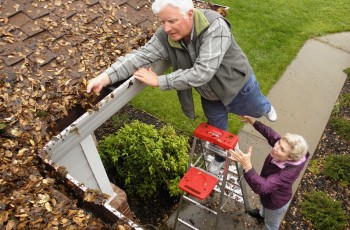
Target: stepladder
{"type": "Point", "coordinates": [203, 190]}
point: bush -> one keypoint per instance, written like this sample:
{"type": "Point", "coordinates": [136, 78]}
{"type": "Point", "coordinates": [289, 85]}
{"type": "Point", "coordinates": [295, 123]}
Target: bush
{"type": "Point", "coordinates": [338, 122]}
{"type": "Point", "coordinates": [336, 168]}
{"type": "Point", "coordinates": [342, 126]}
{"type": "Point", "coordinates": [324, 212]}
{"type": "Point", "coordinates": [145, 159]}
{"type": "Point", "coordinates": [313, 166]}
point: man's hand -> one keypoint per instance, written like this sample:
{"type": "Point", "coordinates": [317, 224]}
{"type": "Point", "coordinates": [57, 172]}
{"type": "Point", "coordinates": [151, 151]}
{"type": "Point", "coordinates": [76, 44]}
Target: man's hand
{"type": "Point", "coordinates": [96, 84]}
{"type": "Point", "coordinates": [242, 158]}
{"type": "Point", "coordinates": [147, 76]}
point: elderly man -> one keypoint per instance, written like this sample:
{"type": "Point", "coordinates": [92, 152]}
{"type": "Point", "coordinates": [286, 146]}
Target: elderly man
{"type": "Point", "coordinates": [204, 55]}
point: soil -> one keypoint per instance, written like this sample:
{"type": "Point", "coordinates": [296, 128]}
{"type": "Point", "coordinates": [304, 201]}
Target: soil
{"type": "Point", "coordinates": [152, 213]}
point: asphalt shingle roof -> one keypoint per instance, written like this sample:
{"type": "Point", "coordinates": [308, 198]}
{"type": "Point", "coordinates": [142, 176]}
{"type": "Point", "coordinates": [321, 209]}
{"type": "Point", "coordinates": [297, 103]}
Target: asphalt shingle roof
{"type": "Point", "coordinates": [48, 49]}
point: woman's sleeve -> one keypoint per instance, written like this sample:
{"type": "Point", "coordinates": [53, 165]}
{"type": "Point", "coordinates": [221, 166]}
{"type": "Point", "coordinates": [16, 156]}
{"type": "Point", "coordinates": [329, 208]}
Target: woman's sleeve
{"type": "Point", "coordinates": [269, 184]}
{"type": "Point", "coordinates": [271, 135]}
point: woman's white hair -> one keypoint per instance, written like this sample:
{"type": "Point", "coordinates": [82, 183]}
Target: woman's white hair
{"type": "Point", "coordinates": [298, 144]}
{"type": "Point", "coordinates": [183, 5]}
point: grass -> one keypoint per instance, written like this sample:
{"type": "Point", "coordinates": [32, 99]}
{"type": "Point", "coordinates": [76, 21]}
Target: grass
{"type": "Point", "coordinates": [271, 33]}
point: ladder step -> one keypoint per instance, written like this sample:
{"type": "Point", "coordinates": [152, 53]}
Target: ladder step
{"type": "Point", "coordinates": [216, 136]}
{"type": "Point", "coordinates": [198, 183]}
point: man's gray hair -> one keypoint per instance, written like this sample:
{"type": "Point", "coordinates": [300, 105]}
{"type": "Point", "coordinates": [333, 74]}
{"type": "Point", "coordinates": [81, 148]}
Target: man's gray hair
{"type": "Point", "coordinates": [183, 5]}
{"type": "Point", "coordinates": [298, 145]}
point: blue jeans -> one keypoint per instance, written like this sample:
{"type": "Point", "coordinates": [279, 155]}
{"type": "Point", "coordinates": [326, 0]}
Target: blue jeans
{"type": "Point", "coordinates": [250, 102]}
{"type": "Point", "coordinates": [272, 218]}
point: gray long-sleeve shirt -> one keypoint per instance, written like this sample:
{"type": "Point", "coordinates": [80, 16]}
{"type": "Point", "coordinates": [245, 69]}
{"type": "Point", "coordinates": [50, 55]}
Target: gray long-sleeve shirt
{"type": "Point", "coordinates": [216, 40]}
{"type": "Point", "coordinates": [212, 62]}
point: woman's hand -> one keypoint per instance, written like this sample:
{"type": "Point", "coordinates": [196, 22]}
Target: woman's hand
{"type": "Point", "coordinates": [147, 76]}
{"type": "Point", "coordinates": [242, 158]}
{"type": "Point", "coordinates": [96, 84]}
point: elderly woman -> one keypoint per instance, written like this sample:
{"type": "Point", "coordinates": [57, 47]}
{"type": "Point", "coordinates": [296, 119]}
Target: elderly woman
{"type": "Point", "coordinates": [281, 168]}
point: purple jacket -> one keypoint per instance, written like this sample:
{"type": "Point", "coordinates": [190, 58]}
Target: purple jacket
{"type": "Point", "coordinates": [274, 185]}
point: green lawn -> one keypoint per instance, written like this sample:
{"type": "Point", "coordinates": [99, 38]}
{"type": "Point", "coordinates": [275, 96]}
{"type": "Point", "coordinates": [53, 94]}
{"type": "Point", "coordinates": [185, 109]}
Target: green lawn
{"type": "Point", "coordinates": [271, 33]}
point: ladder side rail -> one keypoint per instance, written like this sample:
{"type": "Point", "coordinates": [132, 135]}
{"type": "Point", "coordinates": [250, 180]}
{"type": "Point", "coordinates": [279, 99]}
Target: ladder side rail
{"type": "Point", "coordinates": [244, 187]}
{"type": "Point", "coordinates": [223, 186]}
{"type": "Point", "coordinates": [178, 211]}
{"type": "Point", "coordinates": [224, 180]}
{"type": "Point", "coordinates": [192, 152]}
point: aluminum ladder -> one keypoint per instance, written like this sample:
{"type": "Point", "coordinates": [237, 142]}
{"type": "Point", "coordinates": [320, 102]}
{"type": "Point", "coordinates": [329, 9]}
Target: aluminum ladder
{"type": "Point", "coordinates": [197, 184]}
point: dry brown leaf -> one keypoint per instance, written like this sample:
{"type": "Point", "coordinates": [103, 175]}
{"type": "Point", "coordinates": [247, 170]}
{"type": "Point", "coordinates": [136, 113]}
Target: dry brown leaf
{"type": "Point", "coordinates": [8, 154]}
{"type": "Point", "coordinates": [4, 215]}
{"type": "Point", "coordinates": [32, 142]}
{"type": "Point", "coordinates": [21, 215]}
{"type": "Point", "coordinates": [48, 207]}
{"type": "Point", "coordinates": [10, 225]}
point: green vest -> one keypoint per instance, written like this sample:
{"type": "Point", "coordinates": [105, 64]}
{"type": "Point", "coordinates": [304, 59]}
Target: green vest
{"type": "Point", "coordinates": [230, 77]}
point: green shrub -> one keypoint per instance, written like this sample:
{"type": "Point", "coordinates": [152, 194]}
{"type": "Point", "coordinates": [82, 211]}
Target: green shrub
{"type": "Point", "coordinates": [120, 120]}
{"type": "Point", "coordinates": [347, 71]}
{"type": "Point", "coordinates": [313, 166]}
{"type": "Point", "coordinates": [336, 167]}
{"type": "Point", "coordinates": [324, 212]}
{"type": "Point", "coordinates": [337, 121]}
{"type": "Point", "coordinates": [145, 159]}
{"type": "Point", "coordinates": [344, 100]}
{"type": "Point", "coordinates": [342, 126]}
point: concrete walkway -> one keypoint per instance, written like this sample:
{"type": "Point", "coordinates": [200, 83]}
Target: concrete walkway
{"type": "Point", "coordinates": [304, 98]}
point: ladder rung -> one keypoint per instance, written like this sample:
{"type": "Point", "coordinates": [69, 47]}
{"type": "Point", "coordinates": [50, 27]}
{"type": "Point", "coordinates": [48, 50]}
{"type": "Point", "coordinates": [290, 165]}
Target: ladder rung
{"type": "Point", "coordinates": [231, 194]}
{"type": "Point", "coordinates": [199, 204]}
{"type": "Point", "coordinates": [201, 156]}
{"type": "Point", "coordinates": [228, 187]}
{"type": "Point", "coordinates": [217, 189]}
{"type": "Point", "coordinates": [232, 168]}
{"type": "Point", "coordinates": [209, 146]}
